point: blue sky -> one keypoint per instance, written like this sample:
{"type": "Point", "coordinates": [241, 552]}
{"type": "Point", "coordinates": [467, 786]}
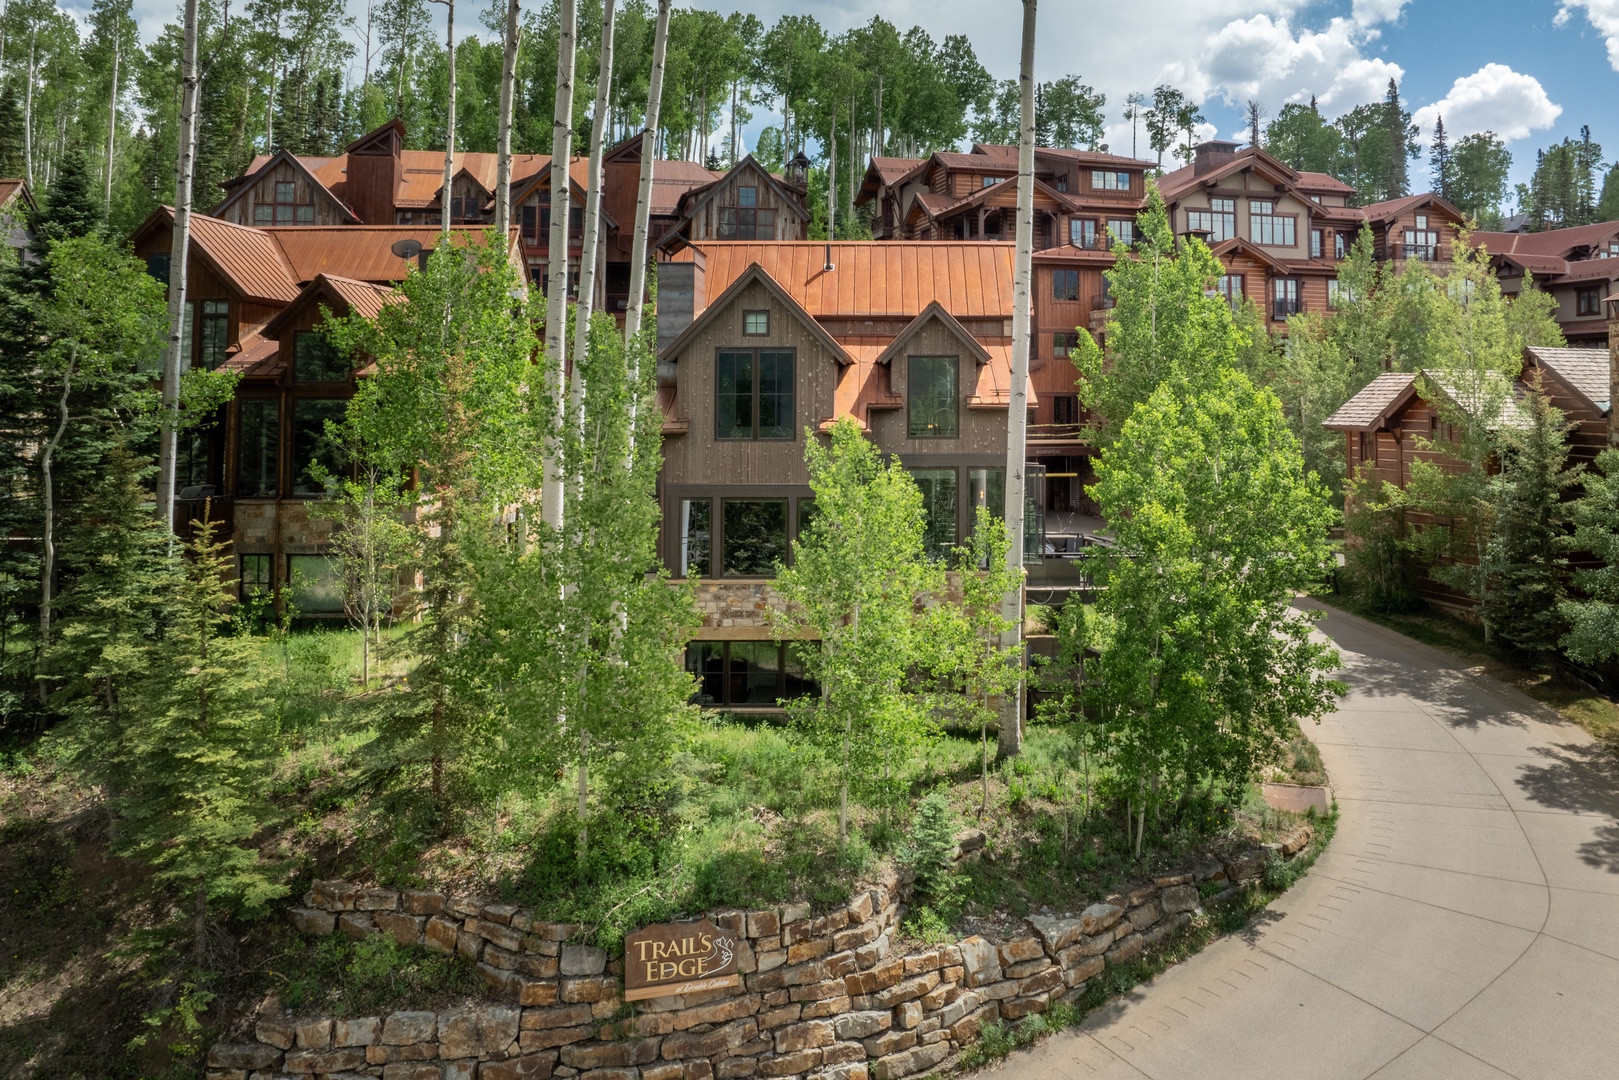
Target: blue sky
{"type": "Point", "coordinates": [1531, 70]}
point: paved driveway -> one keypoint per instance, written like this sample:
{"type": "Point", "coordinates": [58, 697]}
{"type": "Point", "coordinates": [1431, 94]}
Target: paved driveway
{"type": "Point", "coordinates": [1463, 923]}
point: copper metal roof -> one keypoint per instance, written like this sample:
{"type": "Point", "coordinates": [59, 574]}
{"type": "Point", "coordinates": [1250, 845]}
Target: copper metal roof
{"type": "Point", "coordinates": [9, 188]}
{"type": "Point", "coordinates": [360, 252]}
{"type": "Point", "coordinates": [891, 277]}
{"type": "Point", "coordinates": [249, 258]}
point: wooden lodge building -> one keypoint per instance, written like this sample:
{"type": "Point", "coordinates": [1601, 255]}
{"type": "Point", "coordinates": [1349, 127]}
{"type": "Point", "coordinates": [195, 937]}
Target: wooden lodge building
{"type": "Point", "coordinates": [1578, 266]}
{"type": "Point", "coordinates": [1390, 424]}
{"type": "Point", "coordinates": [376, 181]}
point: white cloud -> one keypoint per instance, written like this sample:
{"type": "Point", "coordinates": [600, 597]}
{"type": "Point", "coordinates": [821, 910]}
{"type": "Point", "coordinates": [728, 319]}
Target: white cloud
{"type": "Point", "coordinates": [1263, 57]}
{"type": "Point", "coordinates": [1367, 12]}
{"type": "Point", "coordinates": [1493, 98]}
{"type": "Point", "coordinates": [1603, 16]}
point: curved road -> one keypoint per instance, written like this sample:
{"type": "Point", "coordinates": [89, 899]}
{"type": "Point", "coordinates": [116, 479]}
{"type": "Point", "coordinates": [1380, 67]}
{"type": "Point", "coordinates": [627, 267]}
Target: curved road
{"type": "Point", "coordinates": [1463, 923]}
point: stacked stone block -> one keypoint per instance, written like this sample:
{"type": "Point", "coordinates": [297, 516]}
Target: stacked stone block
{"type": "Point", "coordinates": [823, 997]}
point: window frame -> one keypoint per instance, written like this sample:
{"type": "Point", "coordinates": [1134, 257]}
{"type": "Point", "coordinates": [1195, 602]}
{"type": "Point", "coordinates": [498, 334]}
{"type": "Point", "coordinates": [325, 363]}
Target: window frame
{"type": "Point", "coordinates": [1063, 343]}
{"type": "Point", "coordinates": [1065, 409]}
{"type": "Point", "coordinates": [723, 546]}
{"type": "Point", "coordinates": [295, 461]}
{"type": "Point", "coordinates": [756, 393]}
{"type": "Point", "coordinates": [1222, 218]}
{"type": "Point", "coordinates": [1083, 233]}
{"type": "Point", "coordinates": [1592, 293]}
{"type": "Point", "coordinates": [1293, 302]}
{"type": "Point", "coordinates": [940, 533]}
{"type": "Point", "coordinates": [1233, 287]}
{"type": "Point", "coordinates": [1128, 236]}
{"type": "Point", "coordinates": [700, 673]}
{"type": "Point", "coordinates": [1110, 180]}
{"type": "Point", "coordinates": [1268, 222]}
{"type": "Point", "coordinates": [954, 431]}
{"type": "Point", "coordinates": [297, 373]}
{"type": "Point", "coordinates": [1060, 276]}
{"type": "Point", "coordinates": [747, 316]}
{"type": "Point", "coordinates": [271, 449]}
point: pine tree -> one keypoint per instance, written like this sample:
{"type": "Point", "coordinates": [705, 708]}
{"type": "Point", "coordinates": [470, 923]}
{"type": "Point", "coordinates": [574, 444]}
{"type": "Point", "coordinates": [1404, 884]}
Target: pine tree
{"type": "Point", "coordinates": [1439, 161]}
{"type": "Point", "coordinates": [196, 771]}
{"type": "Point", "coordinates": [1593, 620]}
{"type": "Point", "coordinates": [1400, 136]}
{"type": "Point", "coordinates": [11, 140]}
{"type": "Point", "coordinates": [1524, 572]}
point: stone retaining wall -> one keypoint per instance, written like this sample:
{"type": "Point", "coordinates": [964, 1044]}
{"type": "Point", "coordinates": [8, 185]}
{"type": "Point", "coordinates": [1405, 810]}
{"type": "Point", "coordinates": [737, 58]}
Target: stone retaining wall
{"type": "Point", "coordinates": [829, 997]}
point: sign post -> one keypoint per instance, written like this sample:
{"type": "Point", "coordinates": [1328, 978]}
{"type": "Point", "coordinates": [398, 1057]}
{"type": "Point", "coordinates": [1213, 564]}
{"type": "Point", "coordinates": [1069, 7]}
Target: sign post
{"type": "Point", "coordinates": [678, 958]}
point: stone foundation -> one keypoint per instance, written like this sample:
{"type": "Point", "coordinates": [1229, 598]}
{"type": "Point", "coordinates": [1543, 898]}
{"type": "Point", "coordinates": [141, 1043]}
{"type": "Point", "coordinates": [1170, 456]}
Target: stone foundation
{"type": "Point", "coordinates": [828, 997]}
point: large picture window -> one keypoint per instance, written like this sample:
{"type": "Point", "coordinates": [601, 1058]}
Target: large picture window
{"type": "Point", "coordinates": [314, 450]}
{"type": "Point", "coordinates": [1219, 221]}
{"type": "Point", "coordinates": [1065, 284]}
{"type": "Point", "coordinates": [755, 536]}
{"type": "Point", "coordinates": [1269, 227]}
{"type": "Point", "coordinates": [987, 488]}
{"type": "Point", "coordinates": [213, 333]}
{"type": "Point", "coordinates": [753, 394]}
{"type": "Point", "coordinates": [317, 588]}
{"type": "Point", "coordinates": [733, 674]}
{"type": "Point", "coordinates": [933, 402]}
{"type": "Point", "coordinates": [747, 220]}
{"type": "Point", "coordinates": [260, 431]}
{"type": "Point", "coordinates": [314, 359]}
{"type": "Point", "coordinates": [1109, 180]}
{"type": "Point", "coordinates": [938, 488]}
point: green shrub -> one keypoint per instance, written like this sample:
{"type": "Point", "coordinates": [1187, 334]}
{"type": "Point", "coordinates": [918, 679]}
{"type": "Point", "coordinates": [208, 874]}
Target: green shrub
{"type": "Point", "coordinates": [930, 853]}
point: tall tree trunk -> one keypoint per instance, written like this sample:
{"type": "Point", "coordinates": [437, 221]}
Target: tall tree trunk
{"type": "Point", "coordinates": [556, 308]}
{"type": "Point", "coordinates": [449, 120]}
{"type": "Point", "coordinates": [593, 204]}
{"type": "Point", "coordinates": [584, 790]}
{"type": "Point", "coordinates": [179, 352]}
{"type": "Point", "coordinates": [269, 104]}
{"type": "Point", "coordinates": [199, 927]}
{"type": "Point", "coordinates": [1017, 412]}
{"type": "Point", "coordinates": [832, 181]}
{"type": "Point", "coordinates": [643, 204]}
{"type": "Point", "coordinates": [47, 575]}
{"type": "Point", "coordinates": [28, 114]}
{"type": "Point", "coordinates": [112, 117]}
{"type": "Point", "coordinates": [503, 140]}
{"type": "Point", "coordinates": [848, 206]}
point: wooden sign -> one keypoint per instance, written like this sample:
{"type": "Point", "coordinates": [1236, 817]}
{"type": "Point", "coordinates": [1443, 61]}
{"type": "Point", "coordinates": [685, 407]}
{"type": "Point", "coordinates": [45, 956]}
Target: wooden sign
{"type": "Point", "coordinates": [678, 958]}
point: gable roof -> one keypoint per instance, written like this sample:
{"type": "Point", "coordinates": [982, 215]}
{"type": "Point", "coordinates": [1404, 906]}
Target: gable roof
{"type": "Point", "coordinates": [248, 258]}
{"type": "Point", "coordinates": [362, 297]}
{"type": "Point", "coordinates": [756, 273]}
{"type": "Point", "coordinates": [1173, 185]}
{"type": "Point", "coordinates": [1376, 402]}
{"type": "Point", "coordinates": [874, 277]}
{"type": "Point", "coordinates": [1552, 243]}
{"type": "Point", "coordinates": [13, 188]}
{"type": "Point", "coordinates": [396, 126]}
{"type": "Point", "coordinates": [1238, 245]}
{"type": "Point", "coordinates": [694, 199]}
{"type": "Point", "coordinates": [242, 185]}
{"type": "Point", "coordinates": [578, 178]}
{"type": "Point", "coordinates": [934, 311]}
{"type": "Point", "coordinates": [1584, 371]}
{"type": "Point", "coordinates": [1389, 209]}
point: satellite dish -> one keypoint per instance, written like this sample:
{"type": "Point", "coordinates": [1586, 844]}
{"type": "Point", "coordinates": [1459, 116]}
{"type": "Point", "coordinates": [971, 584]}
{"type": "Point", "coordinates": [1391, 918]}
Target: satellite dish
{"type": "Point", "coordinates": [407, 248]}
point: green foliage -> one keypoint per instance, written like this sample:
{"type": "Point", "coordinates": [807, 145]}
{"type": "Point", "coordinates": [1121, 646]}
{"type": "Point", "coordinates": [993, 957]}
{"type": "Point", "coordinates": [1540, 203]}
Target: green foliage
{"type": "Point", "coordinates": [1479, 165]}
{"type": "Point", "coordinates": [1525, 571]}
{"type": "Point", "coordinates": [930, 854]}
{"type": "Point", "coordinates": [1378, 560]}
{"type": "Point", "coordinates": [1562, 190]}
{"type": "Point", "coordinates": [1593, 618]}
{"type": "Point", "coordinates": [858, 576]}
{"type": "Point", "coordinates": [348, 978]}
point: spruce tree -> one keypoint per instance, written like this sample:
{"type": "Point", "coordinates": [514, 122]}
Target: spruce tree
{"type": "Point", "coordinates": [1524, 571]}
{"type": "Point", "coordinates": [1439, 160]}
{"type": "Point", "coordinates": [195, 763]}
{"type": "Point", "coordinates": [1593, 618]}
{"type": "Point", "coordinates": [71, 206]}
{"type": "Point", "coordinates": [11, 133]}
{"type": "Point", "coordinates": [1399, 134]}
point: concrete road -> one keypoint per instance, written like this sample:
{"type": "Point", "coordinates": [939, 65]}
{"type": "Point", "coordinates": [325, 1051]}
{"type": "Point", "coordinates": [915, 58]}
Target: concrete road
{"type": "Point", "coordinates": [1463, 923]}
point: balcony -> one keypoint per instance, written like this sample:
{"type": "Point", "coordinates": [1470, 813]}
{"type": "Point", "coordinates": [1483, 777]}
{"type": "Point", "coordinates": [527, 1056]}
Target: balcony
{"type": "Point", "coordinates": [1099, 242]}
{"type": "Point", "coordinates": [1281, 309]}
{"type": "Point", "coordinates": [1419, 252]}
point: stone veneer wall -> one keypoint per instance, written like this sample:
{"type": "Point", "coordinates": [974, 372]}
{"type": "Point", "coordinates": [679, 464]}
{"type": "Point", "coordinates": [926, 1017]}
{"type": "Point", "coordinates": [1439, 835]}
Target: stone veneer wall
{"type": "Point", "coordinates": [823, 998]}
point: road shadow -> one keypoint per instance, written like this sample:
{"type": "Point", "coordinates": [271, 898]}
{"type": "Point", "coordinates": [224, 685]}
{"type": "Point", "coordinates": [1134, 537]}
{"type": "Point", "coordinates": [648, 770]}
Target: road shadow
{"type": "Point", "coordinates": [1582, 778]}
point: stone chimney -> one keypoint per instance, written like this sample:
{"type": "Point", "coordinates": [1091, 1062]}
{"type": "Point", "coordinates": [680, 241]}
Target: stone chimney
{"type": "Point", "coordinates": [681, 295]}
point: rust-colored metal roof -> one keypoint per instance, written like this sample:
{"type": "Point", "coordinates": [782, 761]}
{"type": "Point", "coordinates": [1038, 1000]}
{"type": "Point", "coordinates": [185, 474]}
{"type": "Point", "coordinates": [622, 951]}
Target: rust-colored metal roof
{"type": "Point", "coordinates": [257, 357]}
{"type": "Point", "coordinates": [360, 252]}
{"type": "Point", "coordinates": [249, 258]}
{"type": "Point", "coordinates": [362, 296]}
{"type": "Point", "coordinates": [9, 188]}
{"type": "Point", "coordinates": [1320, 181]}
{"type": "Point", "coordinates": [897, 278]}
{"type": "Point", "coordinates": [1553, 243]}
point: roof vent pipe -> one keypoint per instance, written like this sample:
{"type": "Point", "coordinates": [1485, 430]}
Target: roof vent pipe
{"type": "Point", "coordinates": [830, 265]}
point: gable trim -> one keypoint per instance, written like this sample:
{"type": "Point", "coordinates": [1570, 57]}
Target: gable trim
{"type": "Point", "coordinates": [934, 311]}
{"type": "Point", "coordinates": [756, 273]}
{"type": "Point", "coordinates": [248, 183]}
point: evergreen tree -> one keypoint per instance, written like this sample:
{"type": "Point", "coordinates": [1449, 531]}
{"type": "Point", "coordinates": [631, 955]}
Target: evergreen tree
{"type": "Point", "coordinates": [1608, 204]}
{"type": "Point", "coordinates": [1593, 619]}
{"type": "Point", "coordinates": [193, 792]}
{"type": "Point", "coordinates": [1524, 572]}
{"type": "Point", "coordinates": [11, 135]}
{"type": "Point", "coordinates": [71, 206]}
{"type": "Point", "coordinates": [1302, 137]}
{"type": "Point", "coordinates": [1441, 165]}
{"type": "Point", "coordinates": [1479, 167]}
{"type": "Point", "coordinates": [1400, 136]}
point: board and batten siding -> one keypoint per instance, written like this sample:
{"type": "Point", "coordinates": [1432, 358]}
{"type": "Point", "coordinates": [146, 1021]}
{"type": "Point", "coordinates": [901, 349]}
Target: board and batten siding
{"type": "Point", "coordinates": [982, 430]}
{"type": "Point", "coordinates": [697, 457]}
{"type": "Point", "coordinates": [326, 211]}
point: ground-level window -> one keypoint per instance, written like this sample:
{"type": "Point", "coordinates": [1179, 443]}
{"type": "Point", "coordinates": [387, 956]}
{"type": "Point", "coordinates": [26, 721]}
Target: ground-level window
{"type": "Point", "coordinates": [255, 576]}
{"type": "Point", "coordinates": [316, 587]}
{"type": "Point", "coordinates": [256, 457]}
{"type": "Point", "coordinates": [748, 673]}
{"type": "Point", "coordinates": [317, 456]}
{"type": "Point", "coordinates": [939, 503]}
{"type": "Point", "coordinates": [755, 536]}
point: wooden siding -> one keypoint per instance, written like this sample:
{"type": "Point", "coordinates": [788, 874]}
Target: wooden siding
{"type": "Point", "coordinates": [306, 193]}
{"type": "Point", "coordinates": [982, 430]}
{"type": "Point", "coordinates": [705, 224]}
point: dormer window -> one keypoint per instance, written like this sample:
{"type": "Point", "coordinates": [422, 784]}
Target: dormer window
{"type": "Point", "coordinates": [286, 209]}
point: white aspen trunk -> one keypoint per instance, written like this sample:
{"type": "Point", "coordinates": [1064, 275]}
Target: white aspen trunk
{"type": "Point", "coordinates": [503, 141]}
{"type": "Point", "coordinates": [179, 353]}
{"type": "Point", "coordinates": [1017, 409]}
{"type": "Point", "coordinates": [593, 204]}
{"type": "Point", "coordinates": [584, 793]}
{"type": "Point", "coordinates": [556, 308]}
{"type": "Point", "coordinates": [449, 121]}
{"type": "Point", "coordinates": [112, 116]}
{"type": "Point", "coordinates": [643, 198]}
{"type": "Point", "coordinates": [832, 181]}
{"type": "Point", "coordinates": [269, 102]}
{"type": "Point", "coordinates": [28, 115]}
{"type": "Point", "coordinates": [848, 206]}
{"type": "Point", "coordinates": [47, 575]}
